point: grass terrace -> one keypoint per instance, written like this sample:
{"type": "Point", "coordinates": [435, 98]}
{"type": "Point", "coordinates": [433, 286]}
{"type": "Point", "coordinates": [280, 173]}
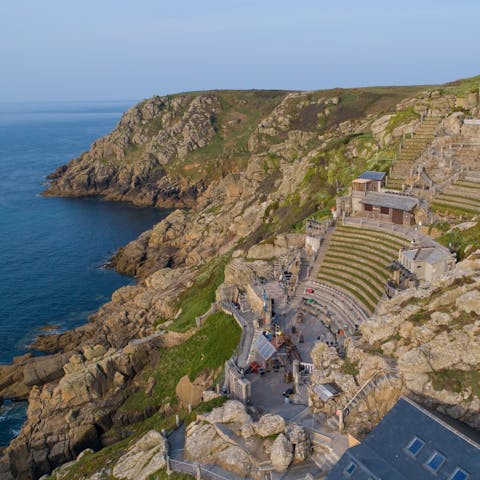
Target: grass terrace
{"type": "Point", "coordinates": [357, 260]}
{"type": "Point", "coordinates": [460, 200]}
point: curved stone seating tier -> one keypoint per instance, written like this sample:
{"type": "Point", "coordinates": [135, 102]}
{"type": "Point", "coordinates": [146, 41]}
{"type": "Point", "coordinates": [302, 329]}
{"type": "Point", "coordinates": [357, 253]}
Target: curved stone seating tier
{"type": "Point", "coordinates": [370, 276]}
{"type": "Point", "coordinates": [380, 246]}
{"type": "Point", "coordinates": [333, 307]}
{"type": "Point", "coordinates": [364, 263]}
{"type": "Point", "coordinates": [353, 286]}
{"type": "Point", "coordinates": [461, 196]}
{"type": "Point", "coordinates": [366, 252]}
{"type": "Point", "coordinates": [391, 237]}
{"type": "Point", "coordinates": [357, 260]}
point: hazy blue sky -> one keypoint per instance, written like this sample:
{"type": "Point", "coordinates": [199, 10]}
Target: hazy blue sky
{"type": "Point", "coordinates": [125, 49]}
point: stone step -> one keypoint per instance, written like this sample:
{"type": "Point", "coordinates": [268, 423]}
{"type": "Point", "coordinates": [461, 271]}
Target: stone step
{"type": "Point", "coordinates": [374, 232]}
{"type": "Point", "coordinates": [348, 272]}
{"type": "Point", "coordinates": [381, 243]}
{"type": "Point", "coordinates": [458, 197]}
{"type": "Point", "coordinates": [366, 252]}
{"type": "Point", "coordinates": [348, 282]}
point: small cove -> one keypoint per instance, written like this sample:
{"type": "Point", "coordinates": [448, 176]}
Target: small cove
{"type": "Point", "coordinates": [53, 250]}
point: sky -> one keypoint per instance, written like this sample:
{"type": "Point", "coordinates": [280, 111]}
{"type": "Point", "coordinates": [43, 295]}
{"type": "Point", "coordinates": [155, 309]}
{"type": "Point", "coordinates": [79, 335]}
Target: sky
{"type": "Point", "coordinates": [124, 49]}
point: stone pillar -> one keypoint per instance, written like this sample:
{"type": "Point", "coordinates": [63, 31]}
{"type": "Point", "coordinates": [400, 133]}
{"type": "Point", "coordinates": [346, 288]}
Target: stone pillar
{"type": "Point", "coordinates": [296, 372]}
{"type": "Point", "coordinates": [341, 423]}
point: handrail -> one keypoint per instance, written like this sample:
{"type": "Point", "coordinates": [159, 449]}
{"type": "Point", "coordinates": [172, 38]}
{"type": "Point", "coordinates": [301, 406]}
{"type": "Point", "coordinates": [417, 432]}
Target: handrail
{"type": "Point", "coordinates": [361, 389]}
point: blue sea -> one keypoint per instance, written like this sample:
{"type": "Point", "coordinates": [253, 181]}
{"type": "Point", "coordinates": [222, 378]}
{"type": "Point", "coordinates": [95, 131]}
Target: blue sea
{"type": "Point", "coordinates": [53, 250]}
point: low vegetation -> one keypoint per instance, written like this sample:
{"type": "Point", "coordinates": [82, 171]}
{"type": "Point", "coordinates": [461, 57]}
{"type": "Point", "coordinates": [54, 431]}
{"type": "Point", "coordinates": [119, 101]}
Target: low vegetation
{"type": "Point", "coordinates": [205, 351]}
{"type": "Point", "coordinates": [197, 299]}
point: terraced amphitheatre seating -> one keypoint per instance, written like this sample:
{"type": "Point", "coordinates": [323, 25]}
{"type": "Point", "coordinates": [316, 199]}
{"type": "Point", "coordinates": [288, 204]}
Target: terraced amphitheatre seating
{"type": "Point", "coordinates": [357, 260]}
{"type": "Point", "coordinates": [345, 310]}
{"type": "Point", "coordinates": [411, 150]}
{"type": "Point", "coordinates": [462, 198]}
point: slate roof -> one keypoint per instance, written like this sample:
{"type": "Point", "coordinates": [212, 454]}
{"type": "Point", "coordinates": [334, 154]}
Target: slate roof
{"type": "Point", "coordinates": [383, 455]}
{"type": "Point", "coordinates": [264, 347]}
{"type": "Point", "coordinates": [430, 255]}
{"type": "Point", "coordinates": [371, 175]}
{"type": "Point", "coordinates": [390, 200]}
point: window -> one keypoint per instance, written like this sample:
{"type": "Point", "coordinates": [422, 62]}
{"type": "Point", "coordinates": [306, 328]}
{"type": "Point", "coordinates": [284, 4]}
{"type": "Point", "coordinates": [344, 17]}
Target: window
{"type": "Point", "coordinates": [367, 207]}
{"type": "Point", "coordinates": [459, 474]}
{"type": "Point", "coordinates": [415, 446]}
{"type": "Point", "coordinates": [350, 469]}
{"type": "Point", "coordinates": [385, 210]}
{"type": "Point", "coordinates": [435, 462]}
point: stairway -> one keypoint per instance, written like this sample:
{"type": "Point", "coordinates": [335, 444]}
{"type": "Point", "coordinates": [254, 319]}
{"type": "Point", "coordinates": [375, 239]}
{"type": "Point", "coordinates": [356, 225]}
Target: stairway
{"type": "Point", "coordinates": [321, 253]}
{"type": "Point", "coordinates": [411, 149]}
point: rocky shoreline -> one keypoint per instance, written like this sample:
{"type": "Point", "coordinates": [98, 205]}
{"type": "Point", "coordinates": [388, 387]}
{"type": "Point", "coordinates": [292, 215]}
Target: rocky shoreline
{"type": "Point", "coordinates": [248, 165]}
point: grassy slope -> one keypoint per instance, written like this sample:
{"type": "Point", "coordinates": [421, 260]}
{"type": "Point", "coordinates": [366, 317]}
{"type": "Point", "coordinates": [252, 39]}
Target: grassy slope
{"type": "Point", "coordinates": [206, 350]}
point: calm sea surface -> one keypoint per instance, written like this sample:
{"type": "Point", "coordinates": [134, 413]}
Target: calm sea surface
{"type": "Point", "coordinates": [52, 249]}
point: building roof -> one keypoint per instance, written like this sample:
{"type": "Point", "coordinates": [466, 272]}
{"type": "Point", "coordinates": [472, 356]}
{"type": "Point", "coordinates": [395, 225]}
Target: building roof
{"type": "Point", "coordinates": [431, 255]}
{"type": "Point", "coordinates": [390, 200]}
{"type": "Point", "coordinates": [384, 453]}
{"type": "Point", "coordinates": [264, 347]}
{"type": "Point", "coordinates": [371, 175]}
{"type": "Point", "coordinates": [326, 391]}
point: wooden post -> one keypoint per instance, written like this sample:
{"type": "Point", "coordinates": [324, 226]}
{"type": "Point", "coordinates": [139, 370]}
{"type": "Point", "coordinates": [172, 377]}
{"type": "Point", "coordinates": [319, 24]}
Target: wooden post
{"type": "Point", "coordinates": [177, 420]}
{"type": "Point", "coordinates": [189, 408]}
{"type": "Point", "coordinates": [198, 472]}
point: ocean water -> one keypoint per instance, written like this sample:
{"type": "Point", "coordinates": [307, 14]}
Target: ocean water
{"type": "Point", "coordinates": [52, 250]}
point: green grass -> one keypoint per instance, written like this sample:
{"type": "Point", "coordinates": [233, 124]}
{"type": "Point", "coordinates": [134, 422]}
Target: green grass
{"type": "Point", "coordinates": [401, 118]}
{"type": "Point", "coordinates": [349, 367]}
{"type": "Point", "coordinates": [460, 198]}
{"type": "Point", "coordinates": [463, 86]}
{"type": "Point", "coordinates": [457, 381]}
{"type": "Point", "coordinates": [197, 299]}
{"type": "Point", "coordinates": [454, 211]}
{"type": "Point", "coordinates": [458, 240]}
{"type": "Point", "coordinates": [206, 350]}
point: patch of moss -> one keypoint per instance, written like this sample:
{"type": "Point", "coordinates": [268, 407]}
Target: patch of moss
{"type": "Point", "coordinates": [457, 381]}
{"type": "Point", "coordinates": [349, 367]}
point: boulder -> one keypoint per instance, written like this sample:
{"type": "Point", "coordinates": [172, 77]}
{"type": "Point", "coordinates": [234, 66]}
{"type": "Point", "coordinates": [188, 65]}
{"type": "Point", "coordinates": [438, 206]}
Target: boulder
{"type": "Point", "coordinates": [268, 425]}
{"type": "Point", "coordinates": [234, 411]}
{"type": "Point", "coordinates": [145, 457]}
{"type": "Point", "coordinates": [469, 302]}
{"type": "Point", "coordinates": [187, 392]}
{"type": "Point", "coordinates": [281, 453]}
{"type": "Point", "coordinates": [235, 459]}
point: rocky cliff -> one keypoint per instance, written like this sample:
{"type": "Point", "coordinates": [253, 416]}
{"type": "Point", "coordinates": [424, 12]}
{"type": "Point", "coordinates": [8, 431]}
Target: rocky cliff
{"type": "Point", "coordinates": [422, 343]}
{"type": "Point", "coordinates": [247, 165]}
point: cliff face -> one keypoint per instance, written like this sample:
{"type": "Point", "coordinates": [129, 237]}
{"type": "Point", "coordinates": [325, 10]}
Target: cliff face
{"type": "Point", "coordinates": [248, 165]}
